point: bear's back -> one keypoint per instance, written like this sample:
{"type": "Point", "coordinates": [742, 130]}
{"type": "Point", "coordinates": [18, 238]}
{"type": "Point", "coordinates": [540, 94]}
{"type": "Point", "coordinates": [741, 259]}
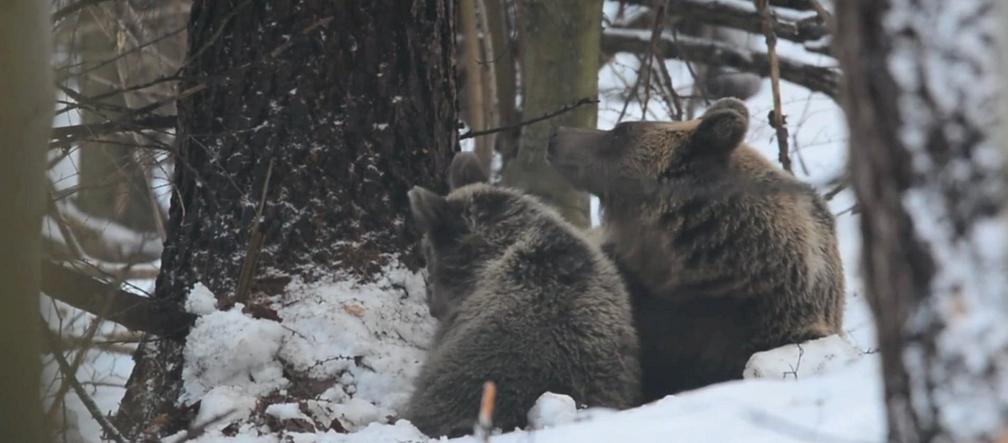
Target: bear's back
{"type": "Point", "coordinates": [549, 313]}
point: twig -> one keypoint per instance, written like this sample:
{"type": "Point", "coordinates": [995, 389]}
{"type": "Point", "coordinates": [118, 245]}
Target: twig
{"type": "Point", "coordinates": [73, 7]}
{"type": "Point", "coordinates": [484, 423]}
{"type": "Point", "coordinates": [69, 238]}
{"type": "Point", "coordinates": [546, 116]}
{"type": "Point", "coordinates": [836, 189]}
{"type": "Point", "coordinates": [673, 97]}
{"type": "Point", "coordinates": [632, 94]}
{"type": "Point", "coordinates": [78, 360]}
{"type": "Point", "coordinates": [255, 243]}
{"type": "Point", "coordinates": [656, 30]}
{"type": "Point", "coordinates": [110, 430]}
{"type": "Point", "coordinates": [778, 121]}
{"type": "Point", "coordinates": [67, 135]}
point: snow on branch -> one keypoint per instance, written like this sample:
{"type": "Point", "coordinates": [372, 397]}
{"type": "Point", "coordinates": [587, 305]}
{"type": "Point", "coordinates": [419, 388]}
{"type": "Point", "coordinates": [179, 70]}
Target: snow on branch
{"type": "Point", "coordinates": [733, 15]}
{"type": "Point", "coordinates": [815, 78]}
{"type": "Point", "coordinates": [799, 28]}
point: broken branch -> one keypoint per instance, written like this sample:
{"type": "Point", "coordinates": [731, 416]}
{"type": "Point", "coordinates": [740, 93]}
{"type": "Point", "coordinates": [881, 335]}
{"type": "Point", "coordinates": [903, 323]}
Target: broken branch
{"type": "Point", "coordinates": [135, 312]}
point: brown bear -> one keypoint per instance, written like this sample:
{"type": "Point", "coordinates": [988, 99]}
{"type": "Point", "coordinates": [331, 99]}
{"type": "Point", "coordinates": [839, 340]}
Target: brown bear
{"type": "Point", "coordinates": [523, 299]}
{"type": "Point", "coordinates": [724, 254]}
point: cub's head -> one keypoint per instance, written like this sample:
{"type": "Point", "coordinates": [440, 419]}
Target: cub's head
{"type": "Point", "coordinates": [473, 224]}
{"type": "Point", "coordinates": [632, 158]}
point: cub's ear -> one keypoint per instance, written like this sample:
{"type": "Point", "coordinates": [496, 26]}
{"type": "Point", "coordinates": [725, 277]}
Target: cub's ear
{"type": "Point", "coordinates": [465, 169]}
{"type": "Point", "coordinates": [722, 128]}
{"type": "Point", "coordinates": [429, 209]}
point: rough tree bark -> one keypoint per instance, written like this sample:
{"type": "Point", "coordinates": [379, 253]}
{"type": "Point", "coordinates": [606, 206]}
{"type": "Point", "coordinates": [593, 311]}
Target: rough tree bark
{"type": "Point", "coordinates": [351, 102]}
{"type": "Point", "coordinates": [920, 97]}
{"type": "Point", "coordinates": [26, 110]}
{"type": "Point", "coordinates": [559, 66]}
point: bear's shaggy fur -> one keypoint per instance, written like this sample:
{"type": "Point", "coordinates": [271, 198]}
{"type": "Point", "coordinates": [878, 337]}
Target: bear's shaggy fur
{"type": "Point", "coordinates": [723, 253]}
{"type": "Point", "coordinates": [523, 300]}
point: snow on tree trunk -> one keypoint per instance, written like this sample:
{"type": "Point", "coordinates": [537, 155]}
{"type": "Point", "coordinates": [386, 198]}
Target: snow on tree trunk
{"type": "Point", "coordinates": [921, 95]}
{"type": "Point", "coordinates": [351, 102]}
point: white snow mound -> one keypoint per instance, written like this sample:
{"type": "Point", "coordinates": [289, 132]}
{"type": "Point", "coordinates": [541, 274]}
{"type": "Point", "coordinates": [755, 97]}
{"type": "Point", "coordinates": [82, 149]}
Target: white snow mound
{"type": "Point", "coordinates": [552, 409]}
{"type": "Point", "coordinates": [360, 345]}
{"type": "Point", "coordinates": [245, 360]}
{"type": "Point", "coordinates": [795, 361]}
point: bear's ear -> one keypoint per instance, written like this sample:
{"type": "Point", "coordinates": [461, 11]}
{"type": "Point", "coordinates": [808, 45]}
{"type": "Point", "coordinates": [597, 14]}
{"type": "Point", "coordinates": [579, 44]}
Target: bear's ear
{"type": "Point", "coordinates": [722, 128]}
{"type": "Point", "coordinates": [465, 169]}
{"type": "Point", "coordinates": [430, 211]}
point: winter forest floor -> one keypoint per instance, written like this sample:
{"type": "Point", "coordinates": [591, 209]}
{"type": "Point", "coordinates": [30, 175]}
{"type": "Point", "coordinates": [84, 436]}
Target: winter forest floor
{"type": "Point", "coordinates": [366, 343]}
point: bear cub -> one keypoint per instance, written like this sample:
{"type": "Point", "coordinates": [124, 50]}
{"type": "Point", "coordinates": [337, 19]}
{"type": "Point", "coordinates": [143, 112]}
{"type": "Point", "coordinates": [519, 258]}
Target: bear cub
{"type": "Point", "coordinates": [522, 299]}
{"type": "Point", "coordinates": [724, 254]}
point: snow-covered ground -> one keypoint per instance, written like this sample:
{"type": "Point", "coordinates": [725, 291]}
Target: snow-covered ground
{"type": "Point", "coordinates": [360, 345]}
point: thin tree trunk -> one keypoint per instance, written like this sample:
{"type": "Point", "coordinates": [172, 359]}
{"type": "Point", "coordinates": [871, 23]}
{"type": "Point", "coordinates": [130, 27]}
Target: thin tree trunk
{"type": "Point", "coordinates": [26, 111]}
{"type": "Point", "coordinates": [476, 102]}
{"type": "Point", "coordinates": [505, 74]}
{"type": "Point", "coordinates": [559, 66]}
{"type": "Point", "coordinates": [919, 94]}
{"type": "Point", "coordinates": [111, 186]}
{"type": "Point", "coordinates": [352, 103]}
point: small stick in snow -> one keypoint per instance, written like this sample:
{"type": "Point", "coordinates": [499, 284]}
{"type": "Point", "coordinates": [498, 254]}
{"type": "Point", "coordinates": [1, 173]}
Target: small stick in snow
{"type": "Point", "coordinates": [484, 424]}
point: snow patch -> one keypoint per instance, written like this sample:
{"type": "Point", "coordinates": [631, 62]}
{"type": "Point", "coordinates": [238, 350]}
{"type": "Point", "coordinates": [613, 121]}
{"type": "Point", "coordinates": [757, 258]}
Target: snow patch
{"type": "Point", "coordinates": [551, 410]}
{"type": "Point", "coordinates": [802, 360]}
{"type": "Point", "coordinates": [222, 406]}
{"type": "Point", "coordinates": [244, 359]}
{"type": "Point", "coordinates": [400, 432]}
{"type": "Point", "coordinates": [201, 300]}
{"type": "Point", "coordinates": [361, 345]}
{"type": "Point", "coordinates": [285, 411]}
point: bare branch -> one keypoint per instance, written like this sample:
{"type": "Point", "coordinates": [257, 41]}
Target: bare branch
{"type": "Point", "coordinates": [68, 135]}
{"type": "Point", "coordinates": [731, 15]}
{"type": "Point", "coordinates": [777, 121]}
{"type": "Point", "coordinates": [135, 312]}
{"type": "Point", "coordinates": [110, 430]}
{"type": "Point", "coordinates": [816, 78]}
{"type": "Point", "coordinates": [736, 16]}
{"type": "Point", "coordinates": [546, 116]}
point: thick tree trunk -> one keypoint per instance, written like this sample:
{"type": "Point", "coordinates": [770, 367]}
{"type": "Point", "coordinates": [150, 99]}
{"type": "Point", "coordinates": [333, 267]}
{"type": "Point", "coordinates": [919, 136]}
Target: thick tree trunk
{"type": "Point", "coordinates": [352, 103]}
{"type": "Point", "coordinates": [920, 88]}
{"type": "Point", "coordinates": [559, 66]}
{"type": "Point", "coordinates": [26, 110]}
